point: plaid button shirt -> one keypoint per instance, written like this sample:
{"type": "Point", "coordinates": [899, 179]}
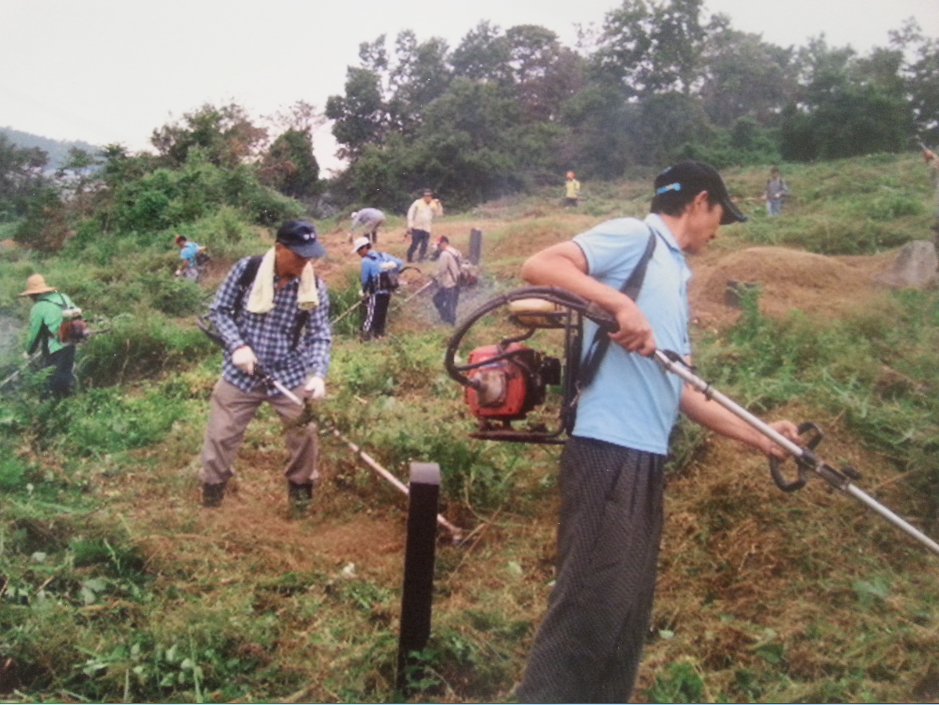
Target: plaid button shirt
{"type": "Point", "coordinates": [271, 334]}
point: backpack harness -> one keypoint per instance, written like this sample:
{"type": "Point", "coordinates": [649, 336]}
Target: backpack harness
{"type": "Point", "coordinates": [244, 285]}
{"type": "Point", "coordinates": [65, 335]}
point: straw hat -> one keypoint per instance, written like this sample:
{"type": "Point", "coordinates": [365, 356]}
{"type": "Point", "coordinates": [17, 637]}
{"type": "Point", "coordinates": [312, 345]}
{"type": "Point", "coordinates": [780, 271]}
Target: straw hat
{"type": "Point", "coordinates": [36, 284]}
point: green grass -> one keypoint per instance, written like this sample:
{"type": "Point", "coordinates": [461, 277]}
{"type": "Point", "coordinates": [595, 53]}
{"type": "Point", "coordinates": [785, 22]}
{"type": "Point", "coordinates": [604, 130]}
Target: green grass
{"type": "Point", "coordinates": [115, 588]}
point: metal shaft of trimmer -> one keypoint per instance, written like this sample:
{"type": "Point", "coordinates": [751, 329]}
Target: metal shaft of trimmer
{"type": "Point", "coordinates": [454, 530]}
{"type": "Point", "coordinates": [843, 484]}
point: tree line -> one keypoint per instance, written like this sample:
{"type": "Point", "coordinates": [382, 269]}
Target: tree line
{"type": "Point", "coordinates": [213, 158]}
{"type": "Point", "coordinates": [502, 112]}
{"type": "Point", "coordinates": [658, 81]}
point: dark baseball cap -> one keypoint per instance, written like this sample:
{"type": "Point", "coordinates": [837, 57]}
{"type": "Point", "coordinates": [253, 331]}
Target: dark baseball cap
{"type": "Point", "coordinates": [696, 177]}
{"type": "Point", "coordinates": [300, 236]}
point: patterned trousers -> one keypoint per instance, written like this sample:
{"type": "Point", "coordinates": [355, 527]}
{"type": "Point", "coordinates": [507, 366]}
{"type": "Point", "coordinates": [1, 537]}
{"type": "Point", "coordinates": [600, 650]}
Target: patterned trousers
{"type": "Point", "coordinates": [375, 314]}
{"type": "Point", "coordinates": [589, 644]}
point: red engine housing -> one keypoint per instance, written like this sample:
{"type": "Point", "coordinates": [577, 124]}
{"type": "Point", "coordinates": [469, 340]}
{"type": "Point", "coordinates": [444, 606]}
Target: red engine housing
{"type": "Point", "coordinates": [508, 388]}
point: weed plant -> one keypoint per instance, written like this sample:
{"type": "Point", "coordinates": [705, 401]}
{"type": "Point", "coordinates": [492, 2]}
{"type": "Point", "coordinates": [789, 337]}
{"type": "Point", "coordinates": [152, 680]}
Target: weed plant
{"type": "Point", "coordinates": [875, 370]}
{"type": "Point", "coordinates": [843, 207]}
{"type": "Point", "coordinates": [136, 347]}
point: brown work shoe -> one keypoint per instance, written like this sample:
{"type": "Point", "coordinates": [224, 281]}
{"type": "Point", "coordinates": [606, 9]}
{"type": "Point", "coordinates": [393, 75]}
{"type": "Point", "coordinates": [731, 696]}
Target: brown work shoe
{"type": "Point", "coordinates": [212, 495]}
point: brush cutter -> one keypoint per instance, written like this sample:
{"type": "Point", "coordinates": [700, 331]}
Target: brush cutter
{"type": "Point", "coordinates": [345, 313]}
{"type": "Point", "coordinates": [358, 303]}
{"type": "Point", "coordinates": [260, 373]}
{"type": "Point", "coordinates": [504, 382]}
{"type": "Point", "coordinates": [268, 380]}
{"type": "Point", "coordinates": [424, 288]}
{"type": "Point", "coordinates": [32, 358]}
{"type": "Point", "coordinates": [804, 456]}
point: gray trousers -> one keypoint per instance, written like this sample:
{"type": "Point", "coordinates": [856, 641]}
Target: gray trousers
{"type": "Point", "coordinates": [231, 410]}
{"type": "Point", "coordinates": [589, 644]}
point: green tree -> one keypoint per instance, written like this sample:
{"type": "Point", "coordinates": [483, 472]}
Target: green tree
{"type": "Point", "coordinates": [21, 177]}
{"type": "Point", "coordinates": [545, 74]}
{"type": "Point", "coordinates": [847, 106]}
{"type": "Point", "coordinates": [360, 116]}
{"type": "Point", "coordinates": [224, 134]}
{"type": "Point", "coordinates": [418, 75]}
{"type": "Point", "coordinates": [650, 46]}
{"type": "Point", "coordinates": [76, 179]}
{"type": "Point", "coordinates": [665, 125]}
{"type": "Point", "coordinates": [45, 227]}
{"type": "Point", "coordinates": [483, 55]}
{"type": "Point", "coordinates": [599, 118]}
{"type": "Point", "coordinates": [289, 165]}
{"type": "Point", "coordinates": [920, 73]}
{"type": "Point", "coordinates": [462, 150]}
{"type": "Point", "coordinates": [744, 75]}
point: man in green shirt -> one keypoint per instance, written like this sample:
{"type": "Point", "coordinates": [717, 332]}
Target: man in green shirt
{"type": "Point", "coordinates": [45, 318]}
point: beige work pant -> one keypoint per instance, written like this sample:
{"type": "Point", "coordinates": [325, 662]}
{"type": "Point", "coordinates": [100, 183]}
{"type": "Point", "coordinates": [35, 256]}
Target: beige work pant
{"type": "Point", "coordinates": [231, 412]}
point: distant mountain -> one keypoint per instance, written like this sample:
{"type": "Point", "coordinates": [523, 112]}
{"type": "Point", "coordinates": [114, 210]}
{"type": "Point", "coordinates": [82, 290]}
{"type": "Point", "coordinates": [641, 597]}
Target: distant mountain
{"type": "Point", "coordinates": [56, 149]}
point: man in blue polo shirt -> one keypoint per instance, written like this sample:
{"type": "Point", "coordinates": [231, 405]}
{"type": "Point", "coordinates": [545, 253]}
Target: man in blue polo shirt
{"type": "Point", "coordinates": [590, 642]}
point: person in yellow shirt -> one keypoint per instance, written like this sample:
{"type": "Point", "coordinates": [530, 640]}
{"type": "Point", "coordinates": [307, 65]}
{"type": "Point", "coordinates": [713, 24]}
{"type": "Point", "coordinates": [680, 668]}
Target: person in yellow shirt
{"type": "Point", "coordinates": [571, 190]}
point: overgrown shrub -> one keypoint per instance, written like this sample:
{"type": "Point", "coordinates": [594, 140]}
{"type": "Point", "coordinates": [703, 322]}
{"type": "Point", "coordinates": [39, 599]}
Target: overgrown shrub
{"type": "Point", "coordinates": [139, 347]}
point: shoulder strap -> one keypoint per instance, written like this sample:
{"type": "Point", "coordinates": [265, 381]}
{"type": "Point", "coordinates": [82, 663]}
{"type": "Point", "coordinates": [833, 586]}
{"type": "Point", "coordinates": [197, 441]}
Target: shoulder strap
{"type": "Point", "coordinates": [62, 305]}
{"type": "Point", "coordinates": [455, 260]}
{"type": "Point", "coordinates": [247, 279]}
{"type": "Point", "coordinates": [601, 341]}
{"type": "Point", "coordinates": [45, 334]}
{"type": "Point", "coordinates": [244, 285]}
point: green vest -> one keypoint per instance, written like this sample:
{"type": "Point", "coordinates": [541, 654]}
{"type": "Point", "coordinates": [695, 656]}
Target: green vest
{"type": "Point", "coordinates": [44, 321]}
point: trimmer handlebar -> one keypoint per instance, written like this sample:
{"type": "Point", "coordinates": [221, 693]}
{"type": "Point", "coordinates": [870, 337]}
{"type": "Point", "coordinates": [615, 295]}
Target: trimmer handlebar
{"type": "Point", "coordinates": [804, 455]}
{"type": "Point", "coordinates": [775, 464]}
{"type": "Point", "coordinates": [261, 374]}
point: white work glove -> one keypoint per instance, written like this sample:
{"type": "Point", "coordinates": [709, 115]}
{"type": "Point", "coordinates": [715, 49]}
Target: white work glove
{"type": "Point", "coordinates": [315, 388]}
{"type": "Point", "coordinates": [244, 359]}
{"type": "Point", "coordinates": [362, 293]}
{"type": "Point", "coordinates": [387, 266]}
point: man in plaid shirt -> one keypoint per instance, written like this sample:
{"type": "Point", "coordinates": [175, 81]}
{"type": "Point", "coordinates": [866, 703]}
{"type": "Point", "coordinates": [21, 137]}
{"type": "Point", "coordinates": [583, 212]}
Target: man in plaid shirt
{"type": "Point", "coordinates": [278, 320]}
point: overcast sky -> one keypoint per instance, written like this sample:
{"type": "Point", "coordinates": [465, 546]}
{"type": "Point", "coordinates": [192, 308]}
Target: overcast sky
{"type": "Point", "coordinates": [109, 71]}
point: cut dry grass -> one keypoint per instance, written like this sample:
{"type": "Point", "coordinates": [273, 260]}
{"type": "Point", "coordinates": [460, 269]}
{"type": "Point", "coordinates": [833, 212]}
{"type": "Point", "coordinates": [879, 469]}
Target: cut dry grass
{"type": "Point", "coordinates": [762, 595]}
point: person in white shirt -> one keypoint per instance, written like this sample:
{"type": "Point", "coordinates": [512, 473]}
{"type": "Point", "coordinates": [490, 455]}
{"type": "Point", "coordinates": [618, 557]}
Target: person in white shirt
{"type": "Point", "coordinates": [420, 216]}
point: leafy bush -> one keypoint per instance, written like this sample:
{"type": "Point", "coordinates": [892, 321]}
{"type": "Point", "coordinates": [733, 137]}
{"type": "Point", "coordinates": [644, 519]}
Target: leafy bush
{"type": "Point", "coordinates": [680, 683]}
{"type": "Point", "coordinates": [892, 204]}
{"type": "Point", "coordinates": [138, 347]}
{"type": "Point", "coordinates": [45, 227]}
{"type": "Point", "coordinates": [102, 421]}
{"type": "Point", "coordinates": [12, 470]}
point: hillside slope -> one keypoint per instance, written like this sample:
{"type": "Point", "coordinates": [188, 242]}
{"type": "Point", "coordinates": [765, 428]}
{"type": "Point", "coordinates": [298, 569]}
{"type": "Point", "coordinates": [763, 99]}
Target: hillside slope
{"type": "Point", "coordinates": [763, 596]}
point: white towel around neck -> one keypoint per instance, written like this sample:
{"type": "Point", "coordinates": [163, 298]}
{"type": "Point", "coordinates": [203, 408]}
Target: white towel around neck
{"type": "Point", "coordinates": [261, 298]}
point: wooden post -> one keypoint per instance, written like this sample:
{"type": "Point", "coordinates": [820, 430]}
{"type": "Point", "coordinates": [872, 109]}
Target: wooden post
{"type": "Point", "coordinates": [476, 246]}
{"type": "Point", "coordinates": [424, 490]}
